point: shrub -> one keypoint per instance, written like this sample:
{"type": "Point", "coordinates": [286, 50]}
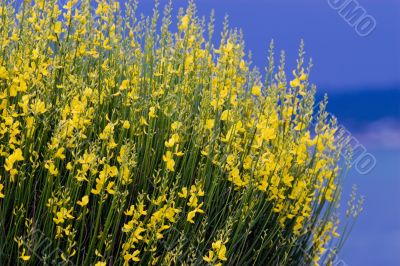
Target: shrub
{"type": "Point", "coordinates": [125, 142]}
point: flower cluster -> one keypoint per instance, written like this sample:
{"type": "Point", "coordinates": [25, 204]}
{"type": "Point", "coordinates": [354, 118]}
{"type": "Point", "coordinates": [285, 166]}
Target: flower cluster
{"type": "Point", "coordinates": [122, 142]}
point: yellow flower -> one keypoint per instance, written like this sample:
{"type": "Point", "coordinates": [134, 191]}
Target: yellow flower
{"type": "Point", "coordinates": [298, 225]}
{"type": "Point", "coordinates": [216, 245]}
{"type": "Point", "coordinates": [130, 211]}
{"type": "Point", "coordinates": [190, 216]}
{"type": "Point", "coordinates": [1, 191]}
{"type": "Point", "coordinates": [38, 107]}
{"type": "Point", "coordinates": [193, 201]}
{"type": "Point", "coordinates": [99, 186]}
{"type": "Point", "coordinates": [3, 73]}
{"type": "Point", "coordinates": [288, 179]}
{"type": "Point", "coordinates": [295, 83]}
{"type": "Point", "coordinates": [192, 213]}
{"type": "Point", "coordinates": [268, 133]}
{"type": "Point", "coordinates": [152, 112]}
{"type": "Point", "coordinates": [49, 165]}
{"type": "Point", "coordinates": [69, 166]}
{"type": "Point", "coordinates": [184, 23]}
{"type": "Point", "coordinates": [112, 171]}
{"type": "Point", "coordinates": [229, 46]}
{"type": "Point", "coordinates": [235, 177]}
{"type": "Point", "coordinates": [172, 141]}
{"type": "Point", "coordinates": [137, 233]}
{"type": "Point", "coordinates": [23, 256]}
{"type": "Point", "coordinates": [210, 256]}
{"type": "Point", "coordinates": [100, 263]}
{"type": "Point", "coordinates": [247, 162]}
{"type": "Point", "coordinates": [176, 125]}
{"type": "Point", "coordinates": [14, 157]}
{"type": "Point", "coordinates": [222, 253]}
{"type": "Point", "coordinates": [143, 121]}
{"type": "Point", "coordinates": [184, 193]}
{"type": "Point", "coordinates": [256, 91]}
{"type": "Point", "coordinates": [110, 189]}
{"type": "Point", "coordinates": [210, 124]}
{"type": "Point", "coordinates": [263, 185]}
{"type": "Point", "coordinates": [329, 194]}
{"type": "Point", "coordinates": [334, 233]}
{"type": "Point", "coordinates": [219, 249]}
{"type": "Point", "coordinates": [170, 161]}
{"type": "Point", "coordinates": [177, 152]}
{"type": "Point", "coordinates": [84, 201]}
{"type": "Point", "coordinates": [197, 191]}
{"type": "Point", "coordinates": [60, 153]}
{"type": "Point", "coordinates": [127, 227]}
{"type": "Point", "coordinates": [81, 176]}
{"type": "Point", "coordinates": [62, 215]}
{"type": "Point", "coordinates": [124, 85]}
{"type": "Point", "coordinates": [225, 115]}
{"type": "Point", "coordinates": [106, 44]}
{"type": "Point", "coordinates": [134, 256]}
{"type": "Point", "coordinates": [126, 124]}
{"type": "Point", "coordinates": [57, 27]}
{"type": "Point", "coordinates": [108, 131]}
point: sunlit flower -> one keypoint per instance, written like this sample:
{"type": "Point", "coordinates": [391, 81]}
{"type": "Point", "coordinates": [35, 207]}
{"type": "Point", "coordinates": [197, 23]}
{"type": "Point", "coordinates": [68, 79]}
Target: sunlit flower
{"type": "Point", "coordinates": [84, 201]}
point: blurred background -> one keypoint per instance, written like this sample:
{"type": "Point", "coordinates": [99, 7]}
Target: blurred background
{"type": "Point", "coordinates": [361, 75]}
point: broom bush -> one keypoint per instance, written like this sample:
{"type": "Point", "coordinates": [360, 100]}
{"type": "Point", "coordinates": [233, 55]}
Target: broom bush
{"type": "Point", "coordinates": [126, 140]}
